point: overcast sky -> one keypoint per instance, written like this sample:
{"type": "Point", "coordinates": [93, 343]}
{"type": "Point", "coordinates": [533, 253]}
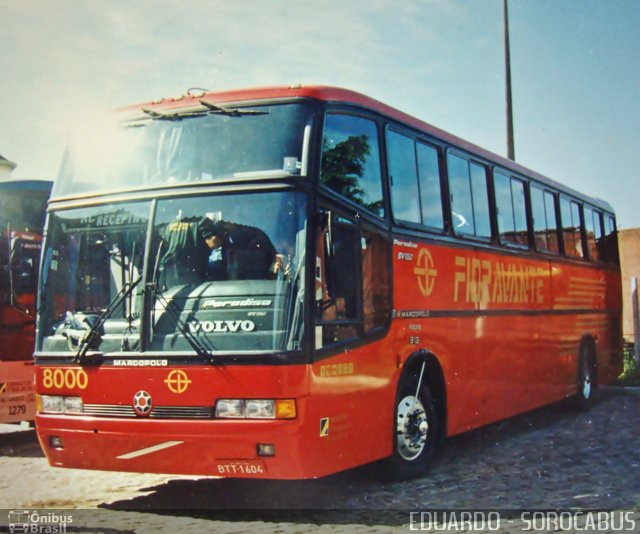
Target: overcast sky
{"type": "Point", "coordinates": [575, 69]}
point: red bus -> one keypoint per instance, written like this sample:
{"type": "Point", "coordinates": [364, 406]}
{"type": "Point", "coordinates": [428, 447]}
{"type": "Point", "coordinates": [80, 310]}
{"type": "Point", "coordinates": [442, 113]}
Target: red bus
{"type": "Point", "coordinates": [22, 212]}
{"type": "Point", "coordinates": [289, 282]}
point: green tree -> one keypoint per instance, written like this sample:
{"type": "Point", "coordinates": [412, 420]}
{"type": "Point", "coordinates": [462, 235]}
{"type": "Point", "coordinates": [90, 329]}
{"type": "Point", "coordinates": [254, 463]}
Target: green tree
{"type": "Point", "coordinates": [343, 167]}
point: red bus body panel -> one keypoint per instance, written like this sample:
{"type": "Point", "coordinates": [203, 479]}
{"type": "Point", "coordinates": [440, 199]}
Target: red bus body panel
{"type": "Point", "coordinates": [483, 309]}
{"type": "Point", "coordinates": [505, 327]}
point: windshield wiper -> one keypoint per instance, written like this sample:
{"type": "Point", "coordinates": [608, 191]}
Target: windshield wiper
{"type": "Point", "coordinates": [232, 112]}
{"type": "Point", "coordinates": [196, 344]}
{"type": "Point", "coordinates": [178, 114]}
{"type": "Point", "coordinates": [172, 115]}
{"type": "Point", "coordinates": [93, 333]}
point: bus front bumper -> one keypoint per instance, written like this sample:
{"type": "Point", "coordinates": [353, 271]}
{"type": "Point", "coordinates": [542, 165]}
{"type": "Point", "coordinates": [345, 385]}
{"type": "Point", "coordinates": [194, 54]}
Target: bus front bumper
{"type": "Point", "coordinates": [227, 448]}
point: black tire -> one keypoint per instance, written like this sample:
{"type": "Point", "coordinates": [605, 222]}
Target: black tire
{"type": "Point", "coordinates": [415, 431]}
{"type": "Point", "coordinates": [586, 376]}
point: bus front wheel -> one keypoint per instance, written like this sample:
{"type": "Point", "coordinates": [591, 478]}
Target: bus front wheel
{"type": "Point", "coordinates": [415, 430]}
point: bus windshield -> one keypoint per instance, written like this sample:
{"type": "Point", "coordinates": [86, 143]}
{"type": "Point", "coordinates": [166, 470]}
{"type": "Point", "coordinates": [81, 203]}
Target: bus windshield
{"type": "Point", "coordinates": [24, 209]}
{"type": "Point", "coordinates": [22, 214]}
{"type": "Point", "coordinates": [187, 147]}
{"type": "Point", "coordinates": [220, 273]}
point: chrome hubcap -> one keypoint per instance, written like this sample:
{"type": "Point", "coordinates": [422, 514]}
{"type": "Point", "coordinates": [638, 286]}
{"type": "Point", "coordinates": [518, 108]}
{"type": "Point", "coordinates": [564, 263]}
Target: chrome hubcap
{"type": "Point", "coordinates": [412, 428]}
{"type": "Point", "coordinates": [586, 381]}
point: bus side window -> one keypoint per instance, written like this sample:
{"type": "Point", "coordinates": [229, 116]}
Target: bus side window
{"type": "Point", "coordinates": [337, 269]}
{"type": "Point", "coordinates": [430, 189]}
{"type": "Point", "coordinates": [352, 281]}
{"type": "Point", "coordinates": [511, 209]}
{"type": "Point", "coordinates": [376, 301]}
{"type": "Point", "coordinates": [351, 160]}
{"type": "Point", "coordinates": [460, 191]}
{"type": "Point", "coordinates": [543, 209]}
{"type": "Point", "coordinates": [403, 174]}
{"type": "Point", "coordinates": [539, 218]}
{"type": "Point", "coordinates": [611, 241]}
{"type": "Point", "coordinates": [469, 197]}
{"type": "Point", "coordinates": [414, 173]}
{"type": "Point", "coordinates": [552, 222]}
{"type": "Point", "coordinates": [571, 228]}
{"type": "Point", "coordinates": [593, 229]}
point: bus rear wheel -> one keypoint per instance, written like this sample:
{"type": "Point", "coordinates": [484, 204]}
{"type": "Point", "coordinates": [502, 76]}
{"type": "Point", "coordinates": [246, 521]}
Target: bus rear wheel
{"type": "Point", "coordinates": [415, 431]}
{"type": "Point", "coordinates": [586, 377]}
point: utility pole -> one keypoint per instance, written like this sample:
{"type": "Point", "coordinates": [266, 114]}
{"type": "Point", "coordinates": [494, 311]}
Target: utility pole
{"type": "Point", "coordinates": [636, 319]}
{"type": "Point", "coordinates": [511, 152]}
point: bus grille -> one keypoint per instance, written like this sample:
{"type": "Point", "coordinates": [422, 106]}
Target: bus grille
{"type": "Point", "coordinates": [158, 412]}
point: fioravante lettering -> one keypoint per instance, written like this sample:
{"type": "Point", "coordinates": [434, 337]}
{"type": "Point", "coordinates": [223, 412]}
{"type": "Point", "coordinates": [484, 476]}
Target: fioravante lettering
{"type": "Point", "coordinates": [222, 326]}
{"type": "Point", "coordinates": [484, 281]}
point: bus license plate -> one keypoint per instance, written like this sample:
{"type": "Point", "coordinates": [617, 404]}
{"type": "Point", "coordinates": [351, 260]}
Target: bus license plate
{"type": "Point", "coordinates": [241, 467]}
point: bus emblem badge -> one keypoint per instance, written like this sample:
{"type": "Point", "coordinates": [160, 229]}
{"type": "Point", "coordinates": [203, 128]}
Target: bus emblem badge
{"type": "Point", "coordinates": [177, 381]}
{"type": "Point", "coordinates": [425, 272]}
{"type": "Point", "coordinates": [142, 403]}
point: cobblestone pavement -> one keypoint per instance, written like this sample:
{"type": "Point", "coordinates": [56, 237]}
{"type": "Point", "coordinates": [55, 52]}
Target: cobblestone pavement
{"type": "Point", "coordinates": [554, 458]}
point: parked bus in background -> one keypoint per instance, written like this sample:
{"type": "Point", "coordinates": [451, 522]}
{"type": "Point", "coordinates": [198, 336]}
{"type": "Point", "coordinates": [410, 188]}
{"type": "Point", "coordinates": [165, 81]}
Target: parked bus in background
{"type": "Point", "coordinates": [23, 207]}
{"type": "Point", "coordinates": [289, 282]}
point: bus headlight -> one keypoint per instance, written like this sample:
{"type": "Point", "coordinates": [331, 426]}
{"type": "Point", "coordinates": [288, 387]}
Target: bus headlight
{"type": "Point", "coordinates": [73, 405]}
{"type": "Point", "coordinates": [260, 409]}
{"type": "Point", "coordinates": [230, 408]}
{"type": "Point", "coordinates": [52, 404]}
{"type": "Point", "coordinates": [59, 404]}
{"type": "Point", "coordinates": [256, 409]}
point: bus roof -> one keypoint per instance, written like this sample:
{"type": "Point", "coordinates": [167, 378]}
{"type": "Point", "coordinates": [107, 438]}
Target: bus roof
{"type": "Point", "coordinates": [346, 96]}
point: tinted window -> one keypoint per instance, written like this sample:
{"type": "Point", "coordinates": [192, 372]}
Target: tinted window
{"type": "Point", "coordinates": [430, 192]}
{"type": "Point", "coordinates": [504, 208]}
{"type": "Point", "coordinates": [519, 211]}
{"type": "Point", "coordinates": [577, 223]}
{"type": "Point", "coordinates": [460, 191]}
{"type": "Point", "coordinates": [544, 219]}
{"type": "Point", "coordinates": [376, 301]}
{"type": "Point", "coordinates": [593, 229]}
{"type": "Point", "coordinates": [571, 228]}
{"type": "Point", "coordinates": [469, 198]}
{"type": "Point", "coordinates": [351, 160]}
{"type": "Point", "coordinates": [352, 280]}
{"type": "Point", "coordinates": [539, 219]}
{"type": "Point", "coordinates": [611, 241]}
{"type": "Point", "coordinates": [552, 222]}
{"type": "Point", "coordinates": [403, 174]}
{"type": "Point", "coordinates": [480, 200]}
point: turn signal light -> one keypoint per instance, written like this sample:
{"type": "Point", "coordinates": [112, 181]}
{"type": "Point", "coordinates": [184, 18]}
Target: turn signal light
{"type": "Point", "coordinates": [286, 409]}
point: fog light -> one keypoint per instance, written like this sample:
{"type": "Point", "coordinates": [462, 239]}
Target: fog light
{"type": "Point", "coordinates": [266, 449]}
{"type": "Point", "coordinates": [55, 442]}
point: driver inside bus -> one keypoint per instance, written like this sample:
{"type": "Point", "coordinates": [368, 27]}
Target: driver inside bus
{"type": "Point", "coordinates": [238, 252]}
